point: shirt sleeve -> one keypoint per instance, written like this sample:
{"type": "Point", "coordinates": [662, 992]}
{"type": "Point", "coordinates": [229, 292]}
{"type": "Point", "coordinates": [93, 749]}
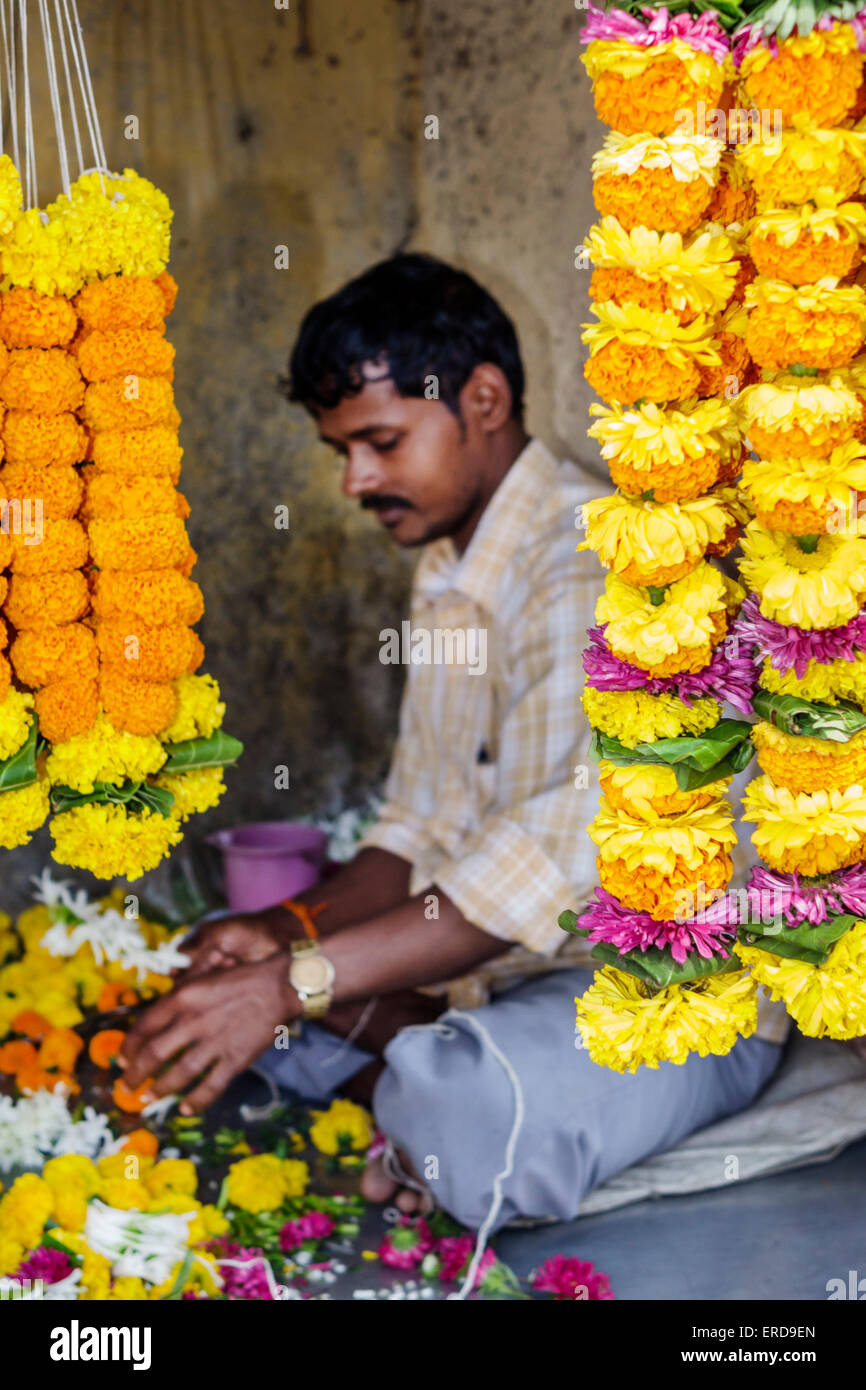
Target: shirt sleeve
{"type": "Point", "coordinates": [530, 858]}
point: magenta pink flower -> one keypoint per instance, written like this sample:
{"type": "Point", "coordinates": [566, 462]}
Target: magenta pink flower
{"type": "Point", "coordinates": [703, 33]}
{"type": "Point", "coordinates": [628, 929]}
{"type": "Point", "coordinates": [249, 1281]}
{"type": "Point", "coordinates": [567, 1277]}
{"type": "Point", "coordinates": [792, 648]}
{"type": "Point", "coordinates": [406, 1243]}
{"type": "Point", "coordinates": [46, 1264]}
{"type": "Point", "coordinates": [314, 1225]}
{"type": "Point", "coordinates": [729, 676]}
{"type": "Point", "coordinates": [455, 1252]}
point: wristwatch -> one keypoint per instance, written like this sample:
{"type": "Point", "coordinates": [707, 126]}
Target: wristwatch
{"type": "Point", "coordinates": [311, 975]}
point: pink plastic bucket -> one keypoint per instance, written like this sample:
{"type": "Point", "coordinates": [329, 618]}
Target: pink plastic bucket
{"type": "Point", "coordinates": [268, 861]}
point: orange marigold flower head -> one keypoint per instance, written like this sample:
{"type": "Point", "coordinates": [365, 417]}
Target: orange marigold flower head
{"type": "Point", "coordinates": [807, 260]}
{"type": "Point", "coordinates": [129, 402]}
{"type": "Point", "coordinates": [59, 490]}
{"type": "Point", "coordinates": [142, 1142]}
{"type": "Point", "coordinates": [31, 319]}
{"type": "Point", "coordinates": [653, 91]}
{"type": "Point", "coordinates": [63, 547]}
{"type": "Point", "coordinates": [152, 451]}
{"type": "Point", "coordinates": [42, 379]}
{"type": "Point", "coordinates": [47, 654]}
{"type": "Point", "coordinates": [623, 373]}
{"type": "Point", "coordinates": [182, 507]}
{"type": "Point", "coordinates": [161, 653]}
{"type": "Point", "coordinates": [122, 301]}
{"type": "Point", "coordinates": [113, 497]}
{"type": "Point", "coordinates": [105, 1045]}
{"type": "Point", "coordinates": [5, 678]}
{"type": "Point", "coordinates": [131, 350]}
{"type": "Point", "coordinates": [821, 86]}
{"type": "Point", "coordinates": [662, 894]}
{"type": "Point", "coordinates": [168, 287]}
{"type": "Point", "coordinates": [17, 1054]}
{"type": "Point", "coordinates": [5, 557]}
{"type": "Point", "coordinates": [136, 706]}
{"type": "Point", "coordinates": [187, 566]}
{"type": "Point", "coordinates": [734, 362]}
{"type": "Point", "coordinates": [150, 597]}
{"type": "Point", "coordinates": [32, 1024]}
{"type": "Point", "coordinates": [60, 1049]}
{"type": "Point", "coordinates": [46, 600]}
{"type": "Point", "coordinates": [38, 1079]}
{"type": "Point", "coordinates": [35, 438]}
{"type": "Point", "coordinates": [133, 1102]}
{"type": "Point", "coordinates": [156, 542]}
{"type": "Point", "coordinates": [67, 707]}
{"type": "Point", "coordinates": [653, 198]}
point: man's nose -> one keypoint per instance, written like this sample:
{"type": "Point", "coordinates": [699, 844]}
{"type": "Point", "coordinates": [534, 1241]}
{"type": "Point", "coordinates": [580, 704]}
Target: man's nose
{"type": "Point", "coordinates": [363, 472]}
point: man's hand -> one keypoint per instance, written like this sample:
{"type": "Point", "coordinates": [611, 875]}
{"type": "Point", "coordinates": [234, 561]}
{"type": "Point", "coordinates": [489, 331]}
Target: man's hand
{"type": "Point", "coordinates": [209, 1029]}
{"type": "Point", "coordinates": [231, 942]}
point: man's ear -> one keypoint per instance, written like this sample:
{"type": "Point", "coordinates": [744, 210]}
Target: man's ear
{"type": "Point", "coordinates": [486, 398]}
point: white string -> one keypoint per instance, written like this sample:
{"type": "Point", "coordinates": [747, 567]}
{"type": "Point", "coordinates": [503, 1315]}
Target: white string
{"type": "Point", "coordinates": [76, 36]}
{"type": "Point", "coordinates": [32, 191]}
{"type": "Point", "coordinates": [350, 1038]}
{"type": "Point", "coordinates": [73, 111]}
{"type": "Point", "coordinates": [498, 1196]}
{"type": "Point", "coordinates": [9, 59]}
{"type": "Point", "coordinates": [54, 91]}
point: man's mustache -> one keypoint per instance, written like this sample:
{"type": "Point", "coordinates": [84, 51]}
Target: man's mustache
{"type": "Point", "coordinates": [378, 501]}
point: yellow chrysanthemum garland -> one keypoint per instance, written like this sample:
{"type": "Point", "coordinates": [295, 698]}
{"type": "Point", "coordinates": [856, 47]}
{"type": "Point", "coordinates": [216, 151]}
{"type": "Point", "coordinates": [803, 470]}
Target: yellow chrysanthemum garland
{"type": "Point", "coordinates": [670, 331]}
{"type": "Point", "coordinates": [85, 375]}
{"type": "Point", "coordinates": [806, 422]}
{"type": "Point", "coordinates": [651, 544]}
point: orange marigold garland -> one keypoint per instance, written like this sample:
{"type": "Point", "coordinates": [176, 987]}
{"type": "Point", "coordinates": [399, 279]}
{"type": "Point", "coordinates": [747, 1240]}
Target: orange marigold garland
{"type": "Point", "coordinates": [119, 741]}
{"type": "Point", "coordinates": [668, 355]}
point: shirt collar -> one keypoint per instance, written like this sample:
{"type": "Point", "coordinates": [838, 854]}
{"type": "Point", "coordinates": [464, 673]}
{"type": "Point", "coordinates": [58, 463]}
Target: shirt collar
{"type": "Point", "coordinates": [504, 527]}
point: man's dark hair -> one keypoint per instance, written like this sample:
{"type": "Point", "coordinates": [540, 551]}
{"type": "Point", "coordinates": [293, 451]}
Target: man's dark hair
{"type": "Point", "coordinates": [423, 316]}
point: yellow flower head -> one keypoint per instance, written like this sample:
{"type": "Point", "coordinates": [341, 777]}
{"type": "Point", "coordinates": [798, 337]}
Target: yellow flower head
{"type": "Point", "coordinates": [805, 162]}
{"type": "Point", "coordinates": [24, 1210]}
{"type": "Point", "coordinates": [809, 764]}
{"type": "Point", "coordinates": [697, 271]}
{"type": "Point", "coordinates": [172, 1175]}
{"type": "Point", "coordinates": [624, 1027]}
{"type": "Point", "coordinates": [109, 841]}
{"type": "Point", "coordinates": [343, 1125]}
{"type": "Point", "coordinates": [825, 1001]}
{"type": "Point", "coordinates": [692, 837]}
{"type": "Point", "coordinates": [264, 1181]}
{"type": "Point", "coordinates": [641, 328]}
{"type": "Point", "coordinates": [104, 754]}
{"type": "Point", "coordinates": [649, 434]}
{"type": "Point", "coordinates": [820, 589]}
{"type": "Point", "coordinates": [691, 617]}
{"type": "Point", "coordinates": [635, 716]}
{"type": "Point", "coordinates": [824, 483]}
{"type": "Point", "coordinates": [793, 415]}
{"type": "Point", "coordinates": [808, 833]}
{"type": "Point", "coordinates": [648, 542]}
{"type": "Point", "coordinates": [688, 157]}
{"type": "Point", "coordinates": [828, 682]}
{"type": "Point", "coordinates": [648, 790]}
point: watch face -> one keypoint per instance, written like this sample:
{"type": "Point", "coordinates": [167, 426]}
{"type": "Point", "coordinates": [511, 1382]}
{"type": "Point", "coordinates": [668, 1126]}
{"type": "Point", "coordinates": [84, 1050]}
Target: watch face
{"type": "Point", "coordinates": [311, 973]}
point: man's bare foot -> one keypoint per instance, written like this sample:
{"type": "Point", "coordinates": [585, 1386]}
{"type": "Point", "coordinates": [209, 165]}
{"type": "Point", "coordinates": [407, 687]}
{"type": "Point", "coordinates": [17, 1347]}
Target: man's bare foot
{"type": "Point", "coordinates": [377, 1185]}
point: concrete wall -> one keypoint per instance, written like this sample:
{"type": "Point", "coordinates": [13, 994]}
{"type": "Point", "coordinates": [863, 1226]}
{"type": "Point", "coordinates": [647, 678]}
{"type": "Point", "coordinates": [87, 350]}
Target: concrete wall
{"type": "Point", "coordinates": [306, 127]}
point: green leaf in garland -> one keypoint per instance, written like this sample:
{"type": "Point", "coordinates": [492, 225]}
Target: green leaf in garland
{"type": "Point", "coordinates": [809, 941]}
{"type": "Point", "coordinates": [568, 920]}
{"type": "Point", "coordinates": [657, 967]}
{"type": "Point", "coordinates": [134, 796]}
{"type": "Point", "coordinates": [218, 750]}
{"type": "Point", "coordinates": [20, 769]}
{"type": "Point", "coordinates": [720, 752]}
{"type": "Point", "coordinates": [811, 718]}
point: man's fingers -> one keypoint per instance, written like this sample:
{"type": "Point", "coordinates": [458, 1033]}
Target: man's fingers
{"type": "Point", "coordinates": [154, 1017]}
{"type": "Point", "coordinates": [209, 1088]}
{"type": "Point", "coordinates": [155, 1051]}
{"type": "Point", "coordinates": [183, 1071]}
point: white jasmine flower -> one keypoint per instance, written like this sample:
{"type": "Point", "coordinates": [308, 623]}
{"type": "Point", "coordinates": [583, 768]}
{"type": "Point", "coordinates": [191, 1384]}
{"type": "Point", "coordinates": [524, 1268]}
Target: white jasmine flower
{"type": "Point", "coordinates": [141, 1244]}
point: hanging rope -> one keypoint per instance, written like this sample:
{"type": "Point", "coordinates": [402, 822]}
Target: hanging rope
{"type": "Point", "coordinates": [66, 90]}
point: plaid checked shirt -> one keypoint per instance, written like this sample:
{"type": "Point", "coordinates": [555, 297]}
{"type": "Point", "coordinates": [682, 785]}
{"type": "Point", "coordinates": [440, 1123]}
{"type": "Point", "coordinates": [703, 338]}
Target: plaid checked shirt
{"type": "Point", "coordinates": [492, 785]}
